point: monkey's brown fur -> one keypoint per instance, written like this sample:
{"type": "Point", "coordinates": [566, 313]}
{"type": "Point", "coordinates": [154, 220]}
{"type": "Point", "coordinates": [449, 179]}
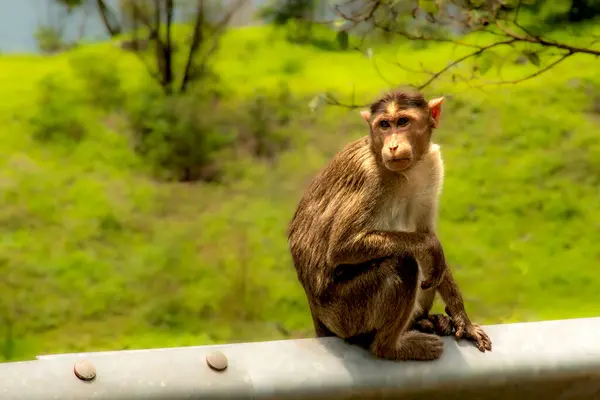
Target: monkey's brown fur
{"type": "Point", "coordinates": [363, 238]}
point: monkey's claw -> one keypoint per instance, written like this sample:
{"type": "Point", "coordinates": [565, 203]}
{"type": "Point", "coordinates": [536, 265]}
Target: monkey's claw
{"type": "Point", "coordinates": [475, 333]}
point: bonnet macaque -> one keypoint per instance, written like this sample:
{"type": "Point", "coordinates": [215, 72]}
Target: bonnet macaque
{"type": "Point", "coordinates": [363, 238]}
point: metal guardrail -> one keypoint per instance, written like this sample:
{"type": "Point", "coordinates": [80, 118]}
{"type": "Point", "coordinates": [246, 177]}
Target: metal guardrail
{"type": "Point", "coordinates": [542, 360]}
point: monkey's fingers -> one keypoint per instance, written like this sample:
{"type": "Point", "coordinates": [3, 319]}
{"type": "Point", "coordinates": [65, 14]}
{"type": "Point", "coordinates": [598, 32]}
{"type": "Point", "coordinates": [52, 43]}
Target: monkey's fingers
{"type": "Point", "coordinates": [481, 339]}
{"type": "Point", "coordinates": [483, 342]}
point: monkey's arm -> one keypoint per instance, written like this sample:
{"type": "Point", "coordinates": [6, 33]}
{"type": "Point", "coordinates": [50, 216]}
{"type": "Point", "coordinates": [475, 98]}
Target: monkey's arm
{"type": "Point", "coordinates": [363, 247]}
{"type": "Point", "coordinates": [424, 215]}
{"type": "Point", "coordinates": [455, 308]}
{"type": "Point", "coordinates": [425, 221]}
{"type": "Point", "coordinates": [376, 245]}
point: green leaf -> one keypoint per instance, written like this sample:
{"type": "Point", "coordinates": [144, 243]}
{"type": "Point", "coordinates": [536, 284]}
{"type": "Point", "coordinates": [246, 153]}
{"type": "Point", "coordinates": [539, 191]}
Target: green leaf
{"type": "Point", "coordinates": [316, 102]}
{"type": "Point", "coordinates": [338, 23]}
{"type": "Point", "coordinates": [342, 39]}
{"type": "Point", "coordinates": [500, 63]}
{"type": "Point", "coordinates": [532, 57]}
{"type": "Point", "coordinates": [486, 62]}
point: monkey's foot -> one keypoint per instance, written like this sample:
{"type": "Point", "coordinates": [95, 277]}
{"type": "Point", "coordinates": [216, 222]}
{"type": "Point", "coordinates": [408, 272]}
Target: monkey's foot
{"type": "Point", "coordinates": [440, 324]}
{"type": "Point", "coordinates": [411, 345]}
{"type": "Point", "coordinates": [472, 332]}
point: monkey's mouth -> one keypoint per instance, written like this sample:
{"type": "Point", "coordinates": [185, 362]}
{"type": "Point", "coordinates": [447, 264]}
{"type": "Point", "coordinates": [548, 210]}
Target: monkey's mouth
{"type": "Point", "coordinates": [399, 164]}
{"type": "Point", "coordinates": [404, 161]}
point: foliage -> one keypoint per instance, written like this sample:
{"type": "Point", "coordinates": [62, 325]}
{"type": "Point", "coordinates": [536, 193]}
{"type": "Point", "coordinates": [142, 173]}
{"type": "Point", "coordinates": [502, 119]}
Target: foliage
{"type": "Point", "coordinates": [296, 15]}
{"type": "Point", "coordinates": [577, 11]}
{"type": "Point", "coordinates": [267, 117]}
{"type": "Point", "coordinates": [477, 29]}
{"type": "Point", "coordinates": [58, 115]}
{"type": "Point", "coordinates": [176, 136]}
{"type": "Point", "coordinates": [100, 256]}
{"type": "Point", "coordinates": [184, 136]}
{"type": "Point", "coordinates": [101, 79]}
{"type": "Point", "coordinates": [173, 75]}
{"type": "Point", "coordinates": [49, 39]}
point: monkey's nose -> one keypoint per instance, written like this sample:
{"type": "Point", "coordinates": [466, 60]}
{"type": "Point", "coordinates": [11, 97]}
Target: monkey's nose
{"type": "Point", "coordinates": [393, 148]}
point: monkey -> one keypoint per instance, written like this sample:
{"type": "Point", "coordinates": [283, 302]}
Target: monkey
{"type": "Point", "coordinates": [363, 240]}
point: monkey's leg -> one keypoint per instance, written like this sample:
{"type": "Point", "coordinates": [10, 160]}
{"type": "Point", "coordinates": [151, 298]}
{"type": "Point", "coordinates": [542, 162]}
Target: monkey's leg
{"type": "Point", "coordinates": [393, 339]}
{"type": "Point", "coordinates": [421, 322]}
{"type": "Point", "coordinates": [455, 308]}
{"type": "Point", "coordinates": [320, 329]}
{"type": "Point", "coordinates": [372, 304]}
{"type": "Point", "coordinates": [363, 340]}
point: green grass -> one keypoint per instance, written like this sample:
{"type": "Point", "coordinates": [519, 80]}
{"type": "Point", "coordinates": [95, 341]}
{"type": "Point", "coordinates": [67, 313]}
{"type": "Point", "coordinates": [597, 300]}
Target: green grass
{"type": "Point", "coordinates": [96, 255]}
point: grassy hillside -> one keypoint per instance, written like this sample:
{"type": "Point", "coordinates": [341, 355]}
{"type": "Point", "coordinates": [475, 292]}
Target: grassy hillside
{"type": "Point", "coordinates": [96, 254]}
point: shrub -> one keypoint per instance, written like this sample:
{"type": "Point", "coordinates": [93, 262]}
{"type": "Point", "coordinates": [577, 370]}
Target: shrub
{"type": "Point", "coordinates": [185, 135]}
{"type": "Point", "coordinates": [180, 134]}
{"type": "Point", "coordinates": [266, 118]}
{"type": "Point", "coordinates": [58, 114]}
{"type": "Point", "coordinates": [49, 39]}
{"type": "Point", "coordinates": [100, 77]}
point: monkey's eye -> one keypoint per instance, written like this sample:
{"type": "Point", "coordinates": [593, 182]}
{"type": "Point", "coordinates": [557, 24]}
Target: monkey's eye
{"type": "Point", "coordinates": [403, 121]}
{"type": "Point", "coordinates": [384, 124]}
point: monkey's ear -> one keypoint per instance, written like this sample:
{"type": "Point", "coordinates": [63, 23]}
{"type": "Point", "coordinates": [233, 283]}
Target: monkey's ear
{"type": "Point", "coordinates": [435, 105]}
{"type": "Point", "coordinates": [366, 115]}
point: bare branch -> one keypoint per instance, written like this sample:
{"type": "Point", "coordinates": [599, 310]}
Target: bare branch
{"type": "Point", "coordinates": [154, 35]}
{"type": "Point", "coordinates": [216, 34]}
{"type": "Point", "coordinates": [535, 74]}
{"type": "Point", "coordinates": [330, 99]}
{"type": "Point", "coordinates": [549, 43]}
{"type": "Point", "coordinates": [501, 22]}
{"type": "Point", "coordinates": [167, 50]}
{"type": "Point", "coordinates": [461, 59]}
{"type": "Point", "coordinates": [196, 40]}
{"type": "Point", "coordinates": [107, 16]}
{"type": "Point", "coordinates": [369, 16]}
{"type": "Point", "coordinates": [516, 19]}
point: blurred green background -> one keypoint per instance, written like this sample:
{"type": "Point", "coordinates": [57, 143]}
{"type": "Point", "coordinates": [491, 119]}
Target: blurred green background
{"type": "Point", "coordinates": [135, 215]}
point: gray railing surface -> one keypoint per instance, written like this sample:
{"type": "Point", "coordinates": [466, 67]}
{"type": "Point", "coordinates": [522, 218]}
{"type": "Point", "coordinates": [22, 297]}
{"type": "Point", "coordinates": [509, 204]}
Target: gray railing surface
{"type": "Point", "coordinates": [538, 360]}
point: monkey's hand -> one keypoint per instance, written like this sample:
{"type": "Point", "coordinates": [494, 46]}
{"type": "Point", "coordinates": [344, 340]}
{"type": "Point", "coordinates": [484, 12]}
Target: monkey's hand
{"type": "Point", "coordinates": [433, 261]}
{"type": "Point", "coordinates": [465, 329]}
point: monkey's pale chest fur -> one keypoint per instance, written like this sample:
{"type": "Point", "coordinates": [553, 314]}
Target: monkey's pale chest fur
{"type": "Point", "coordinates": [414, 206]}
{"type": "Point", "coordinates": [414, 197]}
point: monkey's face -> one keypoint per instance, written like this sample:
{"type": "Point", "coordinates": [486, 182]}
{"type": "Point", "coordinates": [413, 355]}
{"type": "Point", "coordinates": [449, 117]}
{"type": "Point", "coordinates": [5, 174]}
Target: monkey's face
{"type": "Point", "coordinates": [401, 129]}
{"type": "Point", "coordinates": [401, 135]}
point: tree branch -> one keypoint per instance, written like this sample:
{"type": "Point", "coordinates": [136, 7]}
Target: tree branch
{"type": "Point", "coordinates": [215, 34]}
{"type": "Point", "coordinates": [535, 74]}
{"type": "Point", "coordinates": [501, 22]}
{"type": "Point", "coordinates": [549, 43]}
{"type": "Point", "coordinates": [197, 38]}
{"type": "Point", "coordinates": [106, 14]}
{"type": "Point", "coordinates": [461, 59]}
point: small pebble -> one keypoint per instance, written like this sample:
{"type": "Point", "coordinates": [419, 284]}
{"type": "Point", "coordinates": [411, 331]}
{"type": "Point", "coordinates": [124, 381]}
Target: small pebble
{"type": "Point", "coordinates": [216, 360]}
{"type": "Point", "coordinates": [85, 370]}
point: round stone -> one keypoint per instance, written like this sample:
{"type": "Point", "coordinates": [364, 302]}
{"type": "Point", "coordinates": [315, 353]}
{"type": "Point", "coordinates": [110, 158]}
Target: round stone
{"type": "Point", "coordinates": [85, 370]}
{"type": "Point", "coordinates": [216, 360]}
